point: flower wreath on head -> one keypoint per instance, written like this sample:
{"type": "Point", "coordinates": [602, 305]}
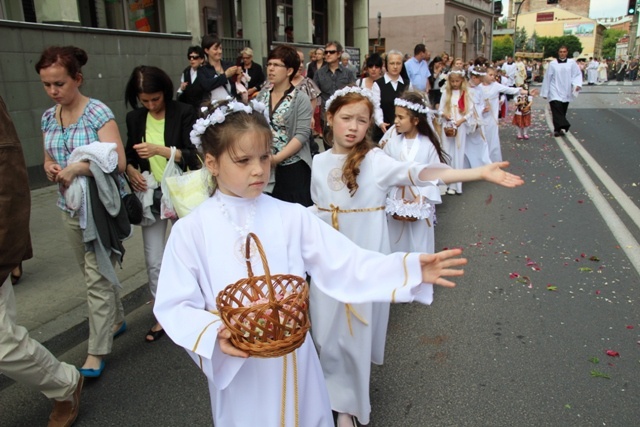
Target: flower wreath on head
{"type": "Point", "coordinates": [459, 72]}
{"type": "Point", "coordinates": [367, 93]}
{"type": "Point", "coordinates": [219, 114]}
{"type": "Point", "coordinates": [478, 73]}
{"type": "Point", "coordinates": [418, 108]}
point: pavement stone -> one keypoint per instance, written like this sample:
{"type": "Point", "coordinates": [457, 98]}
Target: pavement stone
{"type": "Point", "coordinates": [51, 296]}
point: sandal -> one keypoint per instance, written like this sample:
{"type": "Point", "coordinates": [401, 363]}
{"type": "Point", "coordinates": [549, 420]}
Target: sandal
{"type": "Point", "coordinates": [15, 278]}
{"type": "Point", "coordinates": [156, 335]}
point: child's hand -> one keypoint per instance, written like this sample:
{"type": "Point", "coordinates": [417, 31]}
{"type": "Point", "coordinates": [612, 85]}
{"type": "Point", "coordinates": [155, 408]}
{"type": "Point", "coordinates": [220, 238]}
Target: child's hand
{"type": "Point", "coordinates": [494, 173]}
{"type": "Point", "coordinates": [435, 267]}
{"type": "Point", "coordinates": [226, 346]}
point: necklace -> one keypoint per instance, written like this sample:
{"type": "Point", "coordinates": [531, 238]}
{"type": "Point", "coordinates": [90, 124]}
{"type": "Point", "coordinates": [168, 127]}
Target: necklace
{"type": "Point", "coordinates": [240, 245]}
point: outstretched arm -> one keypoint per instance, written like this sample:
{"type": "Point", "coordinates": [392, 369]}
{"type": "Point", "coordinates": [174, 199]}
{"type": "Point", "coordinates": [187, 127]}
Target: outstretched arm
{"type": "Point", "coordinates": [490, 173]}
{"type": "Point", "coordinates": [435, 267]}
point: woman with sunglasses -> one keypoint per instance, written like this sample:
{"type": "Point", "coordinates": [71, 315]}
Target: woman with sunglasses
{"type": "Point", "coordinates": [190, 91]}
{"type": "Point", "coordinates": [373, 70]}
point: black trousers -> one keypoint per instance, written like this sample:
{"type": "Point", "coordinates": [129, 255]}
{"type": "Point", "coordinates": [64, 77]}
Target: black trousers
{"type": "Point", "coordinates": [559, 115]}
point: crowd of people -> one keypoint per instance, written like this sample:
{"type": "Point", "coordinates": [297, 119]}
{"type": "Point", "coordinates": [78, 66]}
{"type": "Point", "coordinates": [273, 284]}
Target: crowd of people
{"type": "Point", "coordinates": [398, 135]}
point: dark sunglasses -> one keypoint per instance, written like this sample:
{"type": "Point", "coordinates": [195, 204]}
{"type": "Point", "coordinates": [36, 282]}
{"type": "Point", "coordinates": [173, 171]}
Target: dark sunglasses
{"type": "Point", "coordinates": [330, 52]}
{"type": "Point", "coordinates": [194, 57]}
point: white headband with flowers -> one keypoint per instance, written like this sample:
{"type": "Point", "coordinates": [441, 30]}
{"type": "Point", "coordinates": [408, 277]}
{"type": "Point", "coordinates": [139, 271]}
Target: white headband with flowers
{"type": "Point", "coordinates": [219, 114]}
{"type": "Point", "coordinates": [418, 108]}
{"type": "Point", "coordinates": [478, 73]}
{"type": "Point", "coordinates": [367, 93]}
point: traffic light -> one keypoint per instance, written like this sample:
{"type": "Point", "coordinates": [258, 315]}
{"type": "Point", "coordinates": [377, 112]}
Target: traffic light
{"type": "Point", "coordinates": [631, 10]}
{"type": "Point", "coordinates": [497, 7]}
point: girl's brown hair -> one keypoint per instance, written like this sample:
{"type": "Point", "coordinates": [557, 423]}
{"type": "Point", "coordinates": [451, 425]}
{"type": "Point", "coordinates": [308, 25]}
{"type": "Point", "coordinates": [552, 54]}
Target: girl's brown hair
{"type": "Point", "coordinates": [71, 58]}
{"type": "Point", "coordinates": [351, 168]}
{"type": "Point", "coordinates": [220, 138]}
{"type": "Point", "coordinates": [423, 126]}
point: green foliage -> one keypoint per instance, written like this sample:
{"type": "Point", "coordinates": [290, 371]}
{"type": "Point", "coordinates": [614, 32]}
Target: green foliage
{"type": "Point", "coordinates": [521, 39]}
{"type": "Point", "coordinates": [609, 40]}
{"type": "Point", "coordinates": [502, 46]}
{"type": "Point", "coordinates": [552, 44]}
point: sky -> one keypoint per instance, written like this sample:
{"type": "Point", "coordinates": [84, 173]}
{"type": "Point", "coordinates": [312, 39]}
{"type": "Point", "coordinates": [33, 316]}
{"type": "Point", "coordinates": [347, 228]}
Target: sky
{"type": "Point", "coordinates": [599, 8]}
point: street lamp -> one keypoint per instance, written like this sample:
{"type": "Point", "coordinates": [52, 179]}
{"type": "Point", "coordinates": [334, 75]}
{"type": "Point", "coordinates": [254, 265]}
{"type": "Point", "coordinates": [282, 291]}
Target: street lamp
{"type": "Point", "coordinates": [518, 5]}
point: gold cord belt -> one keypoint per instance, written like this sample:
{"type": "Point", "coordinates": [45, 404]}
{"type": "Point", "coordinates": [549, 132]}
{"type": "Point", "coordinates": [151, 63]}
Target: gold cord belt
{"type": "Point", "coordinates": [335, 210]}
{"type": "Point", "coordinates": [284, 389]}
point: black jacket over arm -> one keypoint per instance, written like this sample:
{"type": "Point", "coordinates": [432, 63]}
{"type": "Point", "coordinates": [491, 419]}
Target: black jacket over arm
{"type": "Point", "coordinates": [178, 121]}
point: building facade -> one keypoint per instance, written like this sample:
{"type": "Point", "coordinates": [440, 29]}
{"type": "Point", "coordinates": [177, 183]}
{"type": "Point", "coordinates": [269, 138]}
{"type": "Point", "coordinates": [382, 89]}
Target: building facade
{"type": "Point", "coordinates": [556, 22]}
{"type": "Point", "coordinates": [461, 28]}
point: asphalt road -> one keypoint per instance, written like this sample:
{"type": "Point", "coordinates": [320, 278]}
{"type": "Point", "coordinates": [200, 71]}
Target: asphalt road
{"type": "Point", "coordinates": [521, 341]}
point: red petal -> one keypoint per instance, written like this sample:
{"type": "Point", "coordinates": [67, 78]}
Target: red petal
{"type": "Point", "coordinates": [612, 353]}
{"type": "Point", "coordinates": [629, 326]}
{"type": "Point", "coordinates": [597, 292]}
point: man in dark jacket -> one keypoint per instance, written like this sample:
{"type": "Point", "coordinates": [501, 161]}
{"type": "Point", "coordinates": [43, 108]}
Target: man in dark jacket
{"type": "Point", "coordinates": [22, 358]}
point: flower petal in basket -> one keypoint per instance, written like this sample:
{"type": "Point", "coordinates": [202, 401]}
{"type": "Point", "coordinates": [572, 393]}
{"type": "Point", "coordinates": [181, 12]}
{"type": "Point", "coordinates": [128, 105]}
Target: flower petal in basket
{"type": "Point", "coordinates": [407, 210]}
{"type": "Point", "coordinates": [268, 316]}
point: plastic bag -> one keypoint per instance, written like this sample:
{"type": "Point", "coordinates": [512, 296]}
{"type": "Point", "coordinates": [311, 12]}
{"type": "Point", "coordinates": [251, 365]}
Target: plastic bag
{"type": "Point", "coordinates": [167, 210]}
{"type": "Point", "coordinates": [189, 190]}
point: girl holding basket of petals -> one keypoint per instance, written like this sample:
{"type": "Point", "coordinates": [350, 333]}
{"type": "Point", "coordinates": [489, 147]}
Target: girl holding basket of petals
{"type": "Point", "coordinates": [207, 251]}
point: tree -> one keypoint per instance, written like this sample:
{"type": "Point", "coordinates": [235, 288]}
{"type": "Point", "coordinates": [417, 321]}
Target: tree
{"type": "Point", "coordinates": [609, 40]}
{"type": "Point", "coordinates": [521, 38]}
{"type": "Point", "coordinates": [502, 47]}
{"type": "Point", "coordinates": [552, 44]}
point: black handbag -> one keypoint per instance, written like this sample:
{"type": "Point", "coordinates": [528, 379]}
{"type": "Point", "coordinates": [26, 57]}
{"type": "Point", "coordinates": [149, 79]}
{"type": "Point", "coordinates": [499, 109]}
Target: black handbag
{"type": "Point", "coordinates": [132, 205]}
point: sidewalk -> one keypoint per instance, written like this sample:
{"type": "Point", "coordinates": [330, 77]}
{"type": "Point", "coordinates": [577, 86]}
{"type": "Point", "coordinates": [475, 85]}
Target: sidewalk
{"type": "Point", "coordinates": [51, 296]}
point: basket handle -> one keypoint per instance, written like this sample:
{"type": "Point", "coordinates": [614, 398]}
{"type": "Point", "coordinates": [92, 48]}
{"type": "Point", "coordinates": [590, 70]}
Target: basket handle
{"type": "Point", "coordinates": [263, 257]}
{"type": "Point", "coordinates": [410, 188]}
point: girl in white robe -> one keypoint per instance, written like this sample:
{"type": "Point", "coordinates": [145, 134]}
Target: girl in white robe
{"type": "Point", "coordinates": [349, 186]}
{"type": "Point", "coordinates": [205, 253]}
{"type": "Point", "coordinates": [456, 109]}
{"type": "Point", "coordinates": [492, 91]}
{"type": "Point", "coordinates": [413, 139]}
{"type": "Point", "coordinates": [476, 148]}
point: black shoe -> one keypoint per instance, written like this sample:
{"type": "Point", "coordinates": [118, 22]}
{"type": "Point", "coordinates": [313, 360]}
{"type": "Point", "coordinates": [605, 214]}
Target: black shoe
{"type": "Point", "coordinates": [557, 133]}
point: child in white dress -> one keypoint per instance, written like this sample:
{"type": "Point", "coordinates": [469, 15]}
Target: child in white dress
{"type": "Point", "coordinates": [412, 138]}
{"type": "Point", "coordinates": [205, 253]}
{"type": "Point", "coordinates": [456, 108]}
{"type": "Point", "coordinates": [492, 91]}
{"type": "Point", "coordinates": [349, 186]}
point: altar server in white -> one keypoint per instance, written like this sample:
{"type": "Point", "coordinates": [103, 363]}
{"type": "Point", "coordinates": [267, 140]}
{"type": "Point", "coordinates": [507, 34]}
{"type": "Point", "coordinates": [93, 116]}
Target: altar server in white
{"type": "Point", "coordinates": [561, 84]}
{"type": "Point", "coordinates": [349, 186]}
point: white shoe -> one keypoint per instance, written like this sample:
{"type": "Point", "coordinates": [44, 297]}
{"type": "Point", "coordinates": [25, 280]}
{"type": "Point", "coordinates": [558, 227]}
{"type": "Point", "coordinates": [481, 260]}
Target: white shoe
{"type": "Point", "coordinates": [451, 191]}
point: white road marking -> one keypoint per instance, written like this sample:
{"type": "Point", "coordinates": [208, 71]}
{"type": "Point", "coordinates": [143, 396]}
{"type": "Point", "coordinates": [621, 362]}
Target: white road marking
{"type": "Point", "coordinates": [621, 233]}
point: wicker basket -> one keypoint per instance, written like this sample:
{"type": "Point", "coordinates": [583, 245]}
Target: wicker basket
{"type": "Point", "coordinates": [406, 202]}
{"type": "Point", "coordinates": [450, 131]}
{"type": "Point", "coordinates": [268, 316]}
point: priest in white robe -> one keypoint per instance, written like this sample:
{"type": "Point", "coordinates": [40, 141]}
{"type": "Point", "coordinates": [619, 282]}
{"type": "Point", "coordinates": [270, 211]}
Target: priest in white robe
{"type": "Point", "coordinates": [562, 82]}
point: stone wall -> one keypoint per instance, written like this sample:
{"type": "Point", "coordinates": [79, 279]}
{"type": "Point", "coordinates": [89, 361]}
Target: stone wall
{"type": "Point", "coordinates": [112, 56]}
